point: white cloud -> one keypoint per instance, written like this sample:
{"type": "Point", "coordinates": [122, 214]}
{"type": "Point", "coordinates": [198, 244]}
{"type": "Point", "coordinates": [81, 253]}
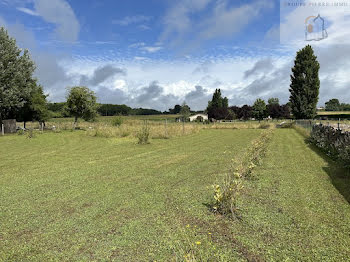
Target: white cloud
{"type": "Point", "coordinates": [151, 49]}
{"type": "Point", "coordinates": [220, 21]}
{"type": "Point", "coordinates": [60, 13]}
{"type": "Point", "coordinates": [144, 27]}
{"type": "Point", "coordinates": [27, 11]}
{"type": "Point", "coordinates": [337, 22]}
{"type": "Point", "coordinates": [120, 84]}
{"type": "Point", "coordinates": [227, 21]}
{"type": "Point", "coordinates": [140, 58]}
{"type": "Point", "coordinates": [177, 20]}
{"type": "Point", "coordinates": [132, 20]}
{"type": "Point", "coordinates": [137, 45]}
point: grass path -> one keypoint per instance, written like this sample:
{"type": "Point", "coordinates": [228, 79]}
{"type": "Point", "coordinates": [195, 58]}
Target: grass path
{"type": "Point", "coordinates": [297, 207]}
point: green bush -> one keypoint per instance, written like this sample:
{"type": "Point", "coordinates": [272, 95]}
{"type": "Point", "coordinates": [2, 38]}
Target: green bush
{"type": "Point", "coordinates": [117, 121]}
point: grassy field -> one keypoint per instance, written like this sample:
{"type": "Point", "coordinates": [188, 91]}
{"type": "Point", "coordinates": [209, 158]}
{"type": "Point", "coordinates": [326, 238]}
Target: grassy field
{"type": "Point", "coordinates": [160, 126]}
{"type": "Point", "coordinates": [104, 119]}
{"type": "Point", "coordinates": [71, 197]}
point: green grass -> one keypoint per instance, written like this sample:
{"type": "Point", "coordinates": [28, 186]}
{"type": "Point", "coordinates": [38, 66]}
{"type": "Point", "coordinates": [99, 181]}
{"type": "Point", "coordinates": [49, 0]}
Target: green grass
{"type": "Point", "coordinates": [71, 197]}
{"type": "Point", "coordinates": [297, 209]}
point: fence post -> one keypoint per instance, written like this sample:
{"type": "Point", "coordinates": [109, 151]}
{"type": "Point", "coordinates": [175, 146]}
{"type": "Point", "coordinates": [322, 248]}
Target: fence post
{"type": "Point", "coordinates": [183, 126]}
{"type": "Point", "coordinates": [166, 131]}
{"type": "Point", "coordinates": [339, 124]}
{"type": "Point", "coordinates": [2, 129]}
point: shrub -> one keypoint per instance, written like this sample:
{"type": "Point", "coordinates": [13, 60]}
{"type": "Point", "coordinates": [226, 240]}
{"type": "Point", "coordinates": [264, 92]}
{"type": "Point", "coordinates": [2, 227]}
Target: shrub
{"type": "Point", "coordinates": [143, 134]}
{"type": "Point", "coordinates": [117, 121]}
{"type": "Point", "coordinates": [20, 132]}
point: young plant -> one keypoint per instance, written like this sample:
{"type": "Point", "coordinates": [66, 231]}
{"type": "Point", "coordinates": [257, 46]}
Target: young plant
{"type": "Point", "coordinates": [143, 134]}
{"type": "Point", "coordinates": [226, 195]}
{"type": "Point", "coordinates": [117, 121]}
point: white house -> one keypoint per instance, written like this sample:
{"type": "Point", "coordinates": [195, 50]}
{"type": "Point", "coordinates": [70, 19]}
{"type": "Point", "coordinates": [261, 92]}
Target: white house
{"type": "Point", "coordinates": [199, 117]}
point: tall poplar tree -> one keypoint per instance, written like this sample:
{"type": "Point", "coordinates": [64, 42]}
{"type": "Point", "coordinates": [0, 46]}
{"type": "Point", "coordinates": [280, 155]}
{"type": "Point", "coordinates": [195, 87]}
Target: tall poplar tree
{"type": "Point", "coordinates": [305, 84]}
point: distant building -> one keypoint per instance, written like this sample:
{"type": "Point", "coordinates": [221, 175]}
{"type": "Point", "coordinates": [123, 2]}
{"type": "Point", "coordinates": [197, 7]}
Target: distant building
{"type": "Point", "coordinates": [198, 117]}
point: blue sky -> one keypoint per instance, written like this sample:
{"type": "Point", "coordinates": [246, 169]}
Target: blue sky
{"type": "Point", "coordinates": [157, 53]}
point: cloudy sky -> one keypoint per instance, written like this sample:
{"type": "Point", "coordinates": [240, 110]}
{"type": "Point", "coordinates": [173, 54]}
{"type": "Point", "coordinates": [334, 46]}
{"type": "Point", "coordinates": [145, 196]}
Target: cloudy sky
{"type": "Point", "coordinates": [158, 53]}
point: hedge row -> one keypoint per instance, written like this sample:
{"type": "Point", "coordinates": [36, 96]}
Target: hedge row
{"type": "Point", "coordinates": [334, 142]}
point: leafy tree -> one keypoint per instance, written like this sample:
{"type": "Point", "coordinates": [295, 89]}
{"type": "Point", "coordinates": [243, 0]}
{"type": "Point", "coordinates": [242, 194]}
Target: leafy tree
{"type": "Point", "coordinates": [56, 107]}
{"type": "Point", "coordinates": [144, 111]}
{"type": "Point", "coordinates": [284, 111]}
{"type": "Point", "coordinates": [259, 109]}
{"type": "Point", "coordinates": [16, 76]}
{"type": "Point", "coordinates": [305, 84]}
{"type": "Point", "coordinates": [218, 106]}
{"type": "Point", "coordinates": [81, 103]}
{"type": "Point", "coordinates": [273, 101]}
{"type": "Point", "coordinates": [176, 110]}
{"type": "Point", "coordinates": [273, 110]}
{"type": "Point", "coordinates": [278, 111]}
{"type": "Point", "coordinates": [35, 108]}
{"type": "Point", "coordinates": [333, 105]}
{"type": "Point", "coordinates": [244, 112]}
{"type": "Point", "coordinates": [344, 107]}
{"type": "Point", "coordinates": [185, 111]}
{"type": "Point", "coordinates": [112, 110]}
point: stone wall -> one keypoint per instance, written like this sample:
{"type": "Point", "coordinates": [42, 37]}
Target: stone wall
{"type": "Point", "coordinates": [9, 125]}
{"type": "Point", "coordinates": [336, 143]}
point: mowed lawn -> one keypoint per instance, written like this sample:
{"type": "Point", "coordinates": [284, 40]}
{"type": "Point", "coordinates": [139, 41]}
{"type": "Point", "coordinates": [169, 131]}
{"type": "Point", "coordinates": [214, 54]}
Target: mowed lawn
{"type": "Point", "coordinates": [297, 207]}
{"type": "Point", "coordinates": [71, 197]}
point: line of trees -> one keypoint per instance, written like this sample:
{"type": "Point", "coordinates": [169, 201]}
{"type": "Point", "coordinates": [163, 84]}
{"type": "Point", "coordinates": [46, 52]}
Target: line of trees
{"type": "Point", "coordinates": [59, 110]}
{"type": "Point", "coordinates": [335, 105]}
{"type": "Point", "coordinates": [304, 92]}
{"type": "Point", "coordinates": [218, 109]}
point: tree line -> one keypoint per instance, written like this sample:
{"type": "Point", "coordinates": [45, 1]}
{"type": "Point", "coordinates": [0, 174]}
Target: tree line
{"type": "Point", "coordinates": [304, 92]}
{"type": "Point", "coordinates": [218, 109]}
{"type": "Point", "coordinates": [59, 110]}
{"type": "Point", "coordinates": [334, 105]}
